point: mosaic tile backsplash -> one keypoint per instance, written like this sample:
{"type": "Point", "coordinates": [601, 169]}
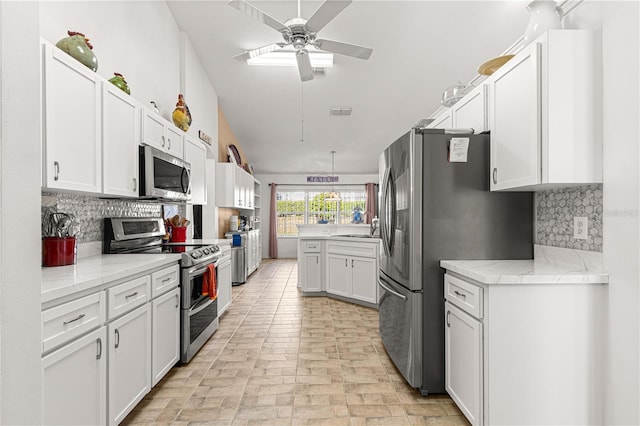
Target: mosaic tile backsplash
{"type": "Point", "coordinates": [91, 211]}
{"type": "Point", "coordinates": [555, 210]}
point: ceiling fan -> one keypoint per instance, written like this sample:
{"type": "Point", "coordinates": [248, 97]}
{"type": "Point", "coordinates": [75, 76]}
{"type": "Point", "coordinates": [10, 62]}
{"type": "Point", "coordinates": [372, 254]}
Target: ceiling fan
{"type": "Point", "coordinates": [301, 33]}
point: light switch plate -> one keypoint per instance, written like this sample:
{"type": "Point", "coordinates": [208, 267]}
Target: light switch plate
{"type": "Point", "coordinates": [580, 228]}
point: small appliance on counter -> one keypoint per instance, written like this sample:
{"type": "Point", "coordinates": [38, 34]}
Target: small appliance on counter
{"type": "Point", "coordinates": [239, 264]}
{"type": "Point", "coordinates": [233, 223]}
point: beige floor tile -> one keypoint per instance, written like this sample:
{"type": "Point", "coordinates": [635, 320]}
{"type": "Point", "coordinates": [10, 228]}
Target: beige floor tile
{"type": "Point", "coordinates": [278, 358]}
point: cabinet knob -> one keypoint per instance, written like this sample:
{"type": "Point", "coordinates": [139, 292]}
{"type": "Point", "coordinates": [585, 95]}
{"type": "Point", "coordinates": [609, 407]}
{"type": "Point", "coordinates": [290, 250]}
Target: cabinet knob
{"type": "Point", "coordinates": [495, 175]}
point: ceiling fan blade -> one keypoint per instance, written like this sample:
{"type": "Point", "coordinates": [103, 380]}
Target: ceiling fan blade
{"type": "Point", "coordinates": [327, 11]}
{"type": "Point", "coordinates": [343, 48]}
{"type": "Point", "coordinates": [258, 15]}
{"type": "Point", "coordinates": [254, 53]}
{"type": "Point", "coordinates": [304, 65]}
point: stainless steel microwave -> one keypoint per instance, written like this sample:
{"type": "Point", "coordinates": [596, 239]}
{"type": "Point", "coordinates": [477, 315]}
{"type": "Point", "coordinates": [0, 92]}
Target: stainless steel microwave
{"type": "Point", "coordinates": [163, 176]}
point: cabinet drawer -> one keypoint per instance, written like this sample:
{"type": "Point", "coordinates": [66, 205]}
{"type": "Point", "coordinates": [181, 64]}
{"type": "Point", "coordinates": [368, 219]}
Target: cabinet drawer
{"type": "Point", "coordinates": [68, 321]}
{"type": "Point", "coordinates": [464, 295]}
{"type": "Point", "coordinates": [125, 297]}
{"type": "Point", "coordinates": [353, 249]}
{"type": "Point", "coordinates": [311, 246]}
{"type": "Point", "coordinates": [164, 280]}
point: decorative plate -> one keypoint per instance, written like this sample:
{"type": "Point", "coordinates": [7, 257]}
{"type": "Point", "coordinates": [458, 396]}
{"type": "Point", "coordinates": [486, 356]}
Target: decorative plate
{"type": "Point", "coordinates": [492, 65]}
{"type": "Point", "coordinates": [232, 158]}
{"type": "Point", "coordinates": [236, 155]}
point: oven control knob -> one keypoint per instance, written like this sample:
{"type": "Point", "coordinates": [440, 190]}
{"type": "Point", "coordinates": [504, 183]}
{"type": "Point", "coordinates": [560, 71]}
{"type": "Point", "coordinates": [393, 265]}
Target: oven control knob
{"type": "Point", "coordinates": [205, 250]}
{"type": "Point", "coordinates": [194, 255]}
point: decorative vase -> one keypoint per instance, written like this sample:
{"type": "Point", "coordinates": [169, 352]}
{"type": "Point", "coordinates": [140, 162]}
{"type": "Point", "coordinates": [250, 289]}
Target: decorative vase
{"type": "Point", "coordinates": [119, 81]}
{"type": "Point", "coordinates": [544, 15]}
{"type": "Point", "coordinates": [181, 115]}
{"type": "Point", "coordinates": [78, 47]}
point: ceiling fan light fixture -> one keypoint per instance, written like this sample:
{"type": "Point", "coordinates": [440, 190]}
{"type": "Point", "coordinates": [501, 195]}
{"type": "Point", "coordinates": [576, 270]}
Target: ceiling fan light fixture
{"type": "Point", "coordinates": [288, 59]}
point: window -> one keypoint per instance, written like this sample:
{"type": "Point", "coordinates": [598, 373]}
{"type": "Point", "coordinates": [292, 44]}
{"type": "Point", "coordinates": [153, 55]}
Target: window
{"type": "Point", "coordinates": [298, 207]}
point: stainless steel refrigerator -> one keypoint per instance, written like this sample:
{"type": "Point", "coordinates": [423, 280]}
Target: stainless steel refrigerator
{"type": "Point", "coordinates": [433, 208]}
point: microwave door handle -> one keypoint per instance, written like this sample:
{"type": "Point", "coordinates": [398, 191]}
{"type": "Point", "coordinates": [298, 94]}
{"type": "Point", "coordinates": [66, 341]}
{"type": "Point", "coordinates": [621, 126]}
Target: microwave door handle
{"type": "Point", "coordinates": [186, 190]}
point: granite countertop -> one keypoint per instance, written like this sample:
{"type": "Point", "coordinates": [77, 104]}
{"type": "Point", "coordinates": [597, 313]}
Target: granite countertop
{"type": "Point", "coordinates": [549, 266]}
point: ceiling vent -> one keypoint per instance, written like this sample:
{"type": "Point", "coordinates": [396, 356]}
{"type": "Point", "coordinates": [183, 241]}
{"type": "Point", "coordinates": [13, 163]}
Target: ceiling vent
{"type": "Point", "coordinates": [340, 111]}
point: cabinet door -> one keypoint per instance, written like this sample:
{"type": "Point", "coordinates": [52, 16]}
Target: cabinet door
{"type": "Point", "coordinates": [196, 155]}
{"type": "Point", "coordinates": [120, 118]}
{"type": "Point", "coordinates": [312, 272]}
{"type": "Point", "coordinates": [339, 275]}
{"type": "Point", "coordinates": [364, 276]}
{"type": "Point", "coordinates": [514, 94]}
{"type": "Point", "coordinates": [470, 111]}
{"type": "Point", "coordinates": [463, 362]}
{"type": "Point", "coordinates": [74, 382]}
{"type": "Point", "coordinates": [226, 193]}
{"type": "Point", "coordinates": [224, 287]}
{"type": "Point", "coordinates": [175, 140]}
{"type": "Point", "coordinates": [153, 130]}
{"type": "Point", "coordinates": [129, 362]}
{"type": "Point", "coordinates": [165, 334]}
{"type": "Point", "coordinates": [71, 124]}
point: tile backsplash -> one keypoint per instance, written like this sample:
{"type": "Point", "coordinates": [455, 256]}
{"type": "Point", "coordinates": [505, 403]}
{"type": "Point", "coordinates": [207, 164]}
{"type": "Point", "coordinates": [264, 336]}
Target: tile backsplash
{"type": "Point", "coordinates": [91, 211]}
{"type": "Point", "coordinates": [555, 210]}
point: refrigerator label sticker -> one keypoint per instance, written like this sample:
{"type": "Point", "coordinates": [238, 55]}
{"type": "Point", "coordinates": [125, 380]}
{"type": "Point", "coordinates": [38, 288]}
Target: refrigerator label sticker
{"type": "Point", "coordinates": [458, 149]}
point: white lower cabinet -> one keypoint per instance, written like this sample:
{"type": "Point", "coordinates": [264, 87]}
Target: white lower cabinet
{"type": "Point", "coordinates": [98, 363]}
{"type": "Point", "coordinates": [74, 382]}
{"type": "Point", "coordinates": [129, 362]}
{"type": "Point", "coordinates": [524, 353]}
{"type": "Point", "coordinates": [165, 334]}
{"type": "Point", "coordinates": [352, 277]}
{"type": "Point", "coordinates": [463, 362]}
{"type": "Point", "coordinates": [224, 286]}
{"type": "Point", "coordinates": [311, 272]}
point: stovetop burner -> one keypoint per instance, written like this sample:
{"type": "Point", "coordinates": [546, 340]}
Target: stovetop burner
{"type": "Point", "coordinates": [144, 235]}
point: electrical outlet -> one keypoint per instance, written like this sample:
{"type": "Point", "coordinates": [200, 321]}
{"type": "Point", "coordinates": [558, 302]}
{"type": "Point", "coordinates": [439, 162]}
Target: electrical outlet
{"type": "Point", "coordinates": [580, 228]}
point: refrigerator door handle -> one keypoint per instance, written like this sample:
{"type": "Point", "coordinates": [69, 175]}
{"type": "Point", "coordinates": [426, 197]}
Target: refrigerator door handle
{"type": "Point", "coordinates": [388, 213]}
{"type": "Point", "coordinates": [381, 281]}
{"type": "Point", "coordinates": [383, 215]}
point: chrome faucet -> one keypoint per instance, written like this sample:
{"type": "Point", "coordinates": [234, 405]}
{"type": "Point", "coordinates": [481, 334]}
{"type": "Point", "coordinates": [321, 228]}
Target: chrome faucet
{"type": "Point", "coordinates": [374, 222]}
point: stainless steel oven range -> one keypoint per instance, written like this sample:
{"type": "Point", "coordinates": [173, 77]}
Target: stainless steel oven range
{"type": "Point", "coordinates": [199, 312]}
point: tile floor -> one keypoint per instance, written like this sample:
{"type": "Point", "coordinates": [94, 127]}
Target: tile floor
{"type": "Point", "coordinates": [280, 358]}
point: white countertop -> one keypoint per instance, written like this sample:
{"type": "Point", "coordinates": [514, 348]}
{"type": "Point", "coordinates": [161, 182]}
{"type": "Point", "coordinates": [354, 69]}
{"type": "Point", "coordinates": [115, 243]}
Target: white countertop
{"type": "Point", "coordinates": [550, 266]}
{"type": "Point", "coordinates": [94, 271]}
{"type": "Point", "coordinates": [374, 240]}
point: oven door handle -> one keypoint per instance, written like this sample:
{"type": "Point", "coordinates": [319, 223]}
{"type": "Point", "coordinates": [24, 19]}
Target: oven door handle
{"type": "Point", "coordinates": [197, 271]}
{"type": "Point", "coordinates": [199, 308]}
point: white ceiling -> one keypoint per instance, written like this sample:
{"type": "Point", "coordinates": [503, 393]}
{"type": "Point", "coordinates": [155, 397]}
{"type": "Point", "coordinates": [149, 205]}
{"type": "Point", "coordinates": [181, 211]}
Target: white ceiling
{"type": "Point", "coordinates": [419, 49]}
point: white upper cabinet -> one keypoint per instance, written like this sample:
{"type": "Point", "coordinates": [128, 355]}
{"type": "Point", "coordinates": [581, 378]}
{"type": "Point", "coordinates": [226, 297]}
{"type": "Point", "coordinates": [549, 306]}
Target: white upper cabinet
{"type": "Point", "coordinates": [161, 134]}
{"type": "Point", "coordinates": [71, 130]}
{"type": "Point", "coordinates": [442, 121]}
{"type": "Point", "coordinates": [470, 112]}
{"type": "Point", "coordinates": [545, 114]}
{"type": "Point", "coordinates": [196, 154]}
{"type": "Point", "coordinates": [120, 130]}
{"type": "Point", "coordinates": [234, 187]}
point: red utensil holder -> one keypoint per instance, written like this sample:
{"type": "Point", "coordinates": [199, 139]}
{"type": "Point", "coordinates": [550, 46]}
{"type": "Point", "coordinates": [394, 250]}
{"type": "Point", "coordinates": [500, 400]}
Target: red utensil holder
{"type": "Point", "coordinates": [58, 251]}
{"type": "Point", "coordinates": [178, 234]}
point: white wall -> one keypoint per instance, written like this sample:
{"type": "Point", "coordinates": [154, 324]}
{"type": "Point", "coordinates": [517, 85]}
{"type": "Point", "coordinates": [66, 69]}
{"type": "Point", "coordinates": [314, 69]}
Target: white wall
{"type": "Point", "coordinates": [621, 189]}
{"type": "Point", "coordinates": [20, 258]}
{"type": "Point", "coordinates": [287, 246]}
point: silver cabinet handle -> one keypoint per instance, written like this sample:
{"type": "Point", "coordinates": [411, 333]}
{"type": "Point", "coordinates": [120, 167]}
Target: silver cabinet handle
{"type": "Point", "coordinates": [177, 300]}
{"type": "Point", "coordinates": [448, 315]}
{"type": "Point", "coordinates": [457, 293]}
{"type": "Point", "coordinates": [117, 338]}
{"type": "Point", "coordinates": [169, 139]}
{"type": "Point", "coordinates": [352, 263]}
{"type": "Point", "coordinates": [163, 141]}
{"type": "Point", "coordinates": [317, 259]}
{"type": "Point", "coordinates": [166, 280]}
{"type": "Point", "coordinates": [79, 317]}
{"type": "Point", "coordinates": [99, 354]}
{"type": "Point", "coordinates": [345, 262]}
{"type": "Point", "coordinates": [495, 175]}
{"type": "Point", "coordinates": [135, 293]}
{"type": "Point", "coordinates": [56, 170]}
{"type": "Point", "coordinates": [135, 184]}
